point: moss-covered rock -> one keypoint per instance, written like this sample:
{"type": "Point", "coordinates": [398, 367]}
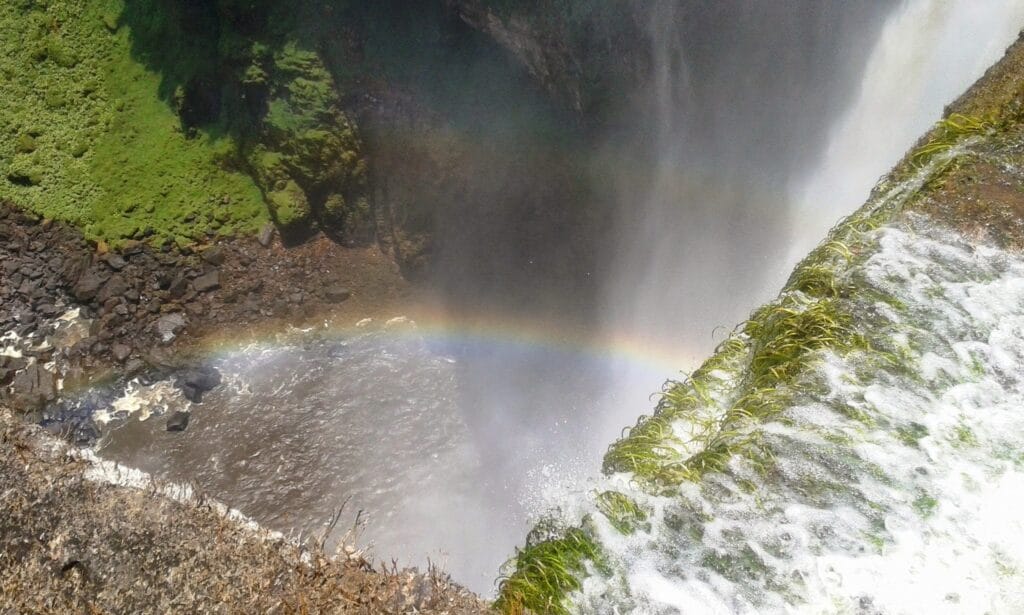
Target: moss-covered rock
{"type": "Point", "coordinates": [289, 207]}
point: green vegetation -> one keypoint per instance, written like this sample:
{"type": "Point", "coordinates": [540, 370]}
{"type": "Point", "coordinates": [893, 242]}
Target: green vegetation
{"type": "Point", "coordinates": [777, 345]}
{"type": "Point", "coordinates": [947, 133]}
{"type": "Point", "coordinates": [172, 121]}
{"type": "Point", "coordinates": [622, 512]}
{"type": "Point", "coordinates": [88, 140]}
{"type": "Point", "coordinates": [546, 572]}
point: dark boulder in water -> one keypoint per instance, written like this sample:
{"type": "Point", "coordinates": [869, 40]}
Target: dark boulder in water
{"type": "Point", "coordinates": [195, 382]}
{"type": "Point", "coordinates": [178, 421]}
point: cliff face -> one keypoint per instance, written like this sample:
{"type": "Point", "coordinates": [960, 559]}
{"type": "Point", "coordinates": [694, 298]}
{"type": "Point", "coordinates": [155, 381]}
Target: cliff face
{"type": "Point", "coordinates": [865, 419]}
{"type": "Point", "coordinates": [579, 51]}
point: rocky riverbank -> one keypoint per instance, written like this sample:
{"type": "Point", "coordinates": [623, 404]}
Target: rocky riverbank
{"type": "Point", "coordinates": [76, 315]}
{"type": "Point", "coordinates": [83, 536]}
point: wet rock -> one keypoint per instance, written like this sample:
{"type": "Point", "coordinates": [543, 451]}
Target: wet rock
{"type": "Point", "coordinates": [207, 281]}
{"type": "Point", "coordinates": [32, 388]}
{"type": "Point", "coordinates": [195, 382]}
{"type": "Point", "coordinates": [121, 352]}
{"type": "Point", "coordinates": [115, 261]}
{"type": "Point", "coordinates": [88, 286]}
{"type": "Point", "coordinates": [178, 421]}
{"type": "Point", "coordinates": [337, 294]}
{"type": "Point", "coordinates": [169, 326]}
{"type": "Point", "coordinates": [12, 363]}
{"type": "Point", "coordinates": [266, 235]}
{"type": "Point", "coordinates": [215, 256]}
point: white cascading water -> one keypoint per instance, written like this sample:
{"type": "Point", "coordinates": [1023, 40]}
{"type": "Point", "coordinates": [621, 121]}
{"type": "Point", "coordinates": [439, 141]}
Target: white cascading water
{"type": "Point", "coordinates": [911, 516]}
{"type": "Point", "coordinates": [720, 228]}
{"type": "Point", "coordinates": [928, 54]}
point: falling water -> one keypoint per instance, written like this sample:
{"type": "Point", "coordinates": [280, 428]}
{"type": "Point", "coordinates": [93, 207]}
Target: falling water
{"type": "Point", "coordinates": [762, 135]}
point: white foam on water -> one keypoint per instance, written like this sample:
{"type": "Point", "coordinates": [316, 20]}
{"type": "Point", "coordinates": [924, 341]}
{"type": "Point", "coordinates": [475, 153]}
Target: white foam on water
{"type": "Point", "coordinates": [10, 341]}
{"type": "Point", "coordinates": [141, 400]}
{"type": "Point", "coordinates": [914, 509]}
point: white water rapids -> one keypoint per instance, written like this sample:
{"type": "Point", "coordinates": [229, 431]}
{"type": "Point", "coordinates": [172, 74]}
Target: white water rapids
{"type": "Point", "coordinates": [911, 510]}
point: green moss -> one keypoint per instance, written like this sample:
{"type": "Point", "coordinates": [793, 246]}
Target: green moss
{"type": "Point", "coordinates": [289, 207]}
{"type": "Point", "coordinates": [104, 139]}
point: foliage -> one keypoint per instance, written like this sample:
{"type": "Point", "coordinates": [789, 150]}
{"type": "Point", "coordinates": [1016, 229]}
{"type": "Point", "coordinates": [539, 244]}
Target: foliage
{"type": "Point", "coordinates": [143, 119]}
{"type": "Point", "coordinates": [89, 141]}
{"type": "Point", "coordinates": [546, 572]}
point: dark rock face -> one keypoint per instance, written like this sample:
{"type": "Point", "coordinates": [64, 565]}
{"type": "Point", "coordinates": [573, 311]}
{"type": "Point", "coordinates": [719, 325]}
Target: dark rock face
{"type": "Point", "coordinates": [576, 53]}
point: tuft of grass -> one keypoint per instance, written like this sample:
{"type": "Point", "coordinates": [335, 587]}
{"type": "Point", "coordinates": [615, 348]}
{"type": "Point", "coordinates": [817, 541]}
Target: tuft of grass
{"type": "Point", "coordinates": [947, 133]}
{"type": "Point", "coordinates": [622, 512]}
{"type": "Point", "coordinates": [546, 572]}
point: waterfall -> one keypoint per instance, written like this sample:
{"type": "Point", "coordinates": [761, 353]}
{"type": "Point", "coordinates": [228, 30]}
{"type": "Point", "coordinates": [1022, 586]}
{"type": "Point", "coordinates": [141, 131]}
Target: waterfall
{"type": "Point", "coordinates": [895, 515]}
{"type": "Point", "coordinates": [929, 53]}
{"type": "Point", "coordinates": [760, 127]}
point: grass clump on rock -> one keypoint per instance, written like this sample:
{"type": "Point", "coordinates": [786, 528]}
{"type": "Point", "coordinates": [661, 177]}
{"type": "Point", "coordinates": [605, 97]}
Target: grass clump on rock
{"type": "Point", "coordinates": [546, 572]}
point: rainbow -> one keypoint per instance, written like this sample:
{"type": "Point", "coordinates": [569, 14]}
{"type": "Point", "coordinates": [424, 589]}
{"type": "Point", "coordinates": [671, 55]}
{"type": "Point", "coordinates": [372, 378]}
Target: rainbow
{"type": "Point", "coordinates": [484, 332]}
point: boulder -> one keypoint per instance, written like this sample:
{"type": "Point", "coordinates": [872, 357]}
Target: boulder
{"type": "Point", "coordinates": [194, 382]}
{"type": "Point", "coordinates": [207, 281]}
{"type": "Point", "coordinates": [32, 388]}
{"type": "Point", "coordinates": [88, 285]}
{"type": "Point", "coordinates": [178, 287]}
{"type": "Point", "coordinates": [336, 293]}
{"type": "Point", "coordinates": [115, 261]}
{"type": "Point", "coordinates": [215, 256]}
{"type": "Point", "coordinates": [266, 235]}
{"type": "Point", "coordinates": [115, 288]}
{"type": "Point", "coordinates": [121, 352]}
{"type": "Point", "coordinates": [178, 421]}
{"type": "Point", "coordinates": [169, 326]}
